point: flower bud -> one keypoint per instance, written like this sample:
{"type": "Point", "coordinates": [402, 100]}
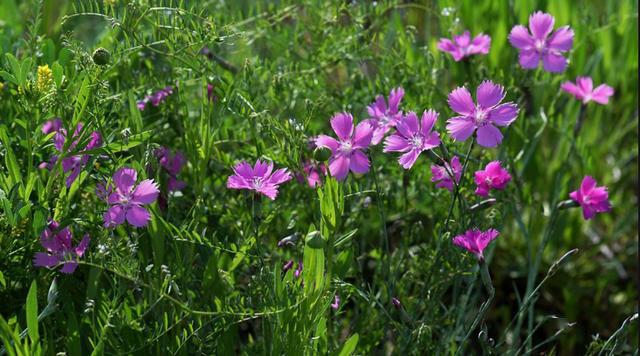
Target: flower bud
{"type": "Point", "coordinates": [567, 204]}
{"type": "Point", "coordinates": [314, 240]}
{"type": "Point", "coordinates": [321, 154]}
{"type": "Point", "coordinates": [487, 203]}
{"type": "Point", "coordinates": [101, 56]}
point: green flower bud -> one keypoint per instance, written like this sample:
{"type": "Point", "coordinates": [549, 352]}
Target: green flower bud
{"type": "Point", "coordinates": [321, 154]}
{"type": "Point", "coordinates": [101, 56]}
{"type": "Point", "coordinates": [314, 240]}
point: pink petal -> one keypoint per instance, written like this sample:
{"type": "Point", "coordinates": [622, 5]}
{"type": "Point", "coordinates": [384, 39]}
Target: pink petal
{"type": "Point", "coordinates": [262, 169]}
{"type": "Point", "coordinates": [114, 216]}
{"type": "Point", "coordinates": [269, 190]}
{"type": "Point", "coordinates": [363, 135]}
{"type": "Point", "coordinates": [561, 39]}
{"type": "Point", "coordinates": [324, 141]}
{"type": "Point", "coordinates": [529, 59]}
{"type": "Point", "coordinates": [124, 179]}
{"type": "Point", "coordinates": [460, 101]}
{"type": "Point", "coordinates": [45, 260]}
{"type": "Point", "coordinates": [138, 216]}
{"type": "Point", "coordinates": [339, 167]}
{"type": "Point", "coordinates": [408, 126]}
{"type": "Point", "coordinates": [146, 192]}
{"type": "Point", "coordinates": [69, 267]}
{"type": "Point", "coordinates": [428, 121]}
{"type": "Point", "coordinates": [359, 162]}
{"type": "Point", "coordinates": [396, 143]}
{"type": "Point", "coordinates": [572, 89]}
{"type": "Point", "coordinates": [520, 38]}
{"type": "Point", "coordinates": [243, 170]}
{"type": "Point", "coordinates": [504, 114]}
{"type": "Point", "coordinates": [460, 128]}
{"type": "Point", "coordinates": [463, 40]}
{"type": "Point", "coordinates": [237, 182]}
{"type": "Point", "coordinates": [541, 25]}
{"type": "Point", "coordinates": [280, 176]}
{"type": "Point", "coordinates": [585, 83]}
{"type": "Point", "coordinates": [587, 185]}
{"type": "Point", "coordinates": [83, 245]}
{"type": "Point", "coordinates": [485, 238]}
{"type": "Point", "coordinates": [446, 45]}
{"type": "Point", "coordinates": [489, 94]}
{"type": "Point", "coordinates": [554, 63]}
{"type": "Point", "coordinates": [408, 159]}
{"type": "Point", "coordinates": [480, 45]}
{"type": "Point", "coordinates": [342, 124]}
{"type": "Point", "coordinates": [602, 93]}
{"type": "Point", "coordinates": [395, 96]}
{"type": "Point", "coordinates": [489, 136]}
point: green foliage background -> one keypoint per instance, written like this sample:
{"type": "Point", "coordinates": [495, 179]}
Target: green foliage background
{"type": "Point", "coordinates": [197, 280]}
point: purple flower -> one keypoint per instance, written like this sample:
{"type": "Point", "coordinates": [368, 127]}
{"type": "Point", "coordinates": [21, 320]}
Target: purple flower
{"type": "Point", "coordinates": [126, 200]}
{"type": "Point", "coordinates": [384, 116]}
{"type": "Point", "coordinates": [287, 266]}
{"type": "Point", "coordinates": [396, 303]}
{"type": "Point", "coordinates": [336, 303]}
{"type": "Point", "coordinates": [347, 152]}
{"type": "Point", "coordinates": [462, 46]}
{"type": "Point", "coordinates": [259, 178]}
{"type": "Point", "coordinates": [483, 117]}
{"type": "Point", "coordinates": [71, 163]}
{"type": "Point", "coordinates": [541, 43]}
{"type": "Point", "coordinates": [156, 98]}
{"type": "Point", "coordinates": [592, 198]}
{"type": "Point", "coordinates": [413, 137]}
{"type": "Point", "coordinates": [298, 272]}
{"type": "Point", "coordinates": [583, 90]}
{"type": "Point", "coordinates": [493, 177]}
{"type": "Point", "coordinates": [443, 174]}
{"type": "Point", "coordinates": [475, 241]}
{"type": "Point", "coordinates": [172, 164]}
{"type": "Point", "coordinates": [58, 244]}
{"type": "Point", "coordinates": [211, 95]}
{"type": "Point", "coordinates": [312, 173]}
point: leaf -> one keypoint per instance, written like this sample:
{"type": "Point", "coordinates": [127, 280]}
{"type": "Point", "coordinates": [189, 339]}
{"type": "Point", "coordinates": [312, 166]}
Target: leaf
{"type": "Point", "coordinates": [2, 280]}
{"type": "Point", "coordinates": [350, 345]}
{"type": "Point", "coordinates": [58, 74]}
{"type": "Point", "coordinates": [82, 98]}
{"type": "Point", "coordinates": [32, 311]}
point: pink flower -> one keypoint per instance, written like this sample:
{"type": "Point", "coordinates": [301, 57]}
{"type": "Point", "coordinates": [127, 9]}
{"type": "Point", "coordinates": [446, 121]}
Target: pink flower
{"type": "Point", "coordinates": [593, 199]}
{"type": "Point", "coordinates": [347, 152]}
{"type": "Point", "coordinates": [475, 241]}
{"type": "Point", "coordinates": [583, 90]}
{"type": "Point", "coordinates": [312, 172]}
{"type": "Point", "coordinates": [172, 164]}
{"type": "Point", "coordinates": [298, 272]}
{"type": "Point", "coordinates": [59, 249]}
{"type": "Point", "coordinates": [493, 177]}
{"type": "Point", "coordinates": [211, 95]}
{"type": "Point", "coordinates": [259, 178]}
{"type": "Point", "coordinates": [541, 43]}
{"type": "Point", "coordinates": [127, 200]}
{"type": "Point", "coordinates": [336, 303]}
{"type": "Point", "coordinates": [483, 117]}
{"type": "Point", "coordinates": [71, 163]}
{"type": "Point", "coordinates": [413, 137]}
{"type": "Point", "coordinates": [462, 46]}
{"type": "Point", "coordinates": [443, 174]}
{"type": "Point", "coordinates": [382, 116]}
{"type": "Point", "coordinates": [156, 98]}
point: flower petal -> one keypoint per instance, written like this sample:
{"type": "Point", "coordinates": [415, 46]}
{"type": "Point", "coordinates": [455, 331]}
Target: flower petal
{"type": "Point", "coordinates": [359, 162]}
{"type": "Point", "coordinates": [69, 267]}
{"type": "Point", "coordinates": [395, 96]}
{"type": "Point", "coordinates": [427, 121]}
{"type": "Point", "coordinates": [45, 260]}
{"type": "Point", "coordinates": [602, 93]}
{"type": "Point", "coordinates": [280, 176]}
{"type": "Point", "coordinates": [460, 101]}
{"type": "Point", "coordinates": [561, 39]}
{"type": "Point", "coordinates": [408, 159]}
{"type": "Point", "coordinates": [529, 59]}
{"type": "Point", "coordinates": [138, 216]}
{"type": "Point", "coordinates": [541, 25]}
{"type": "Point", "coordinates": [504, 114]}
{"type": "Point", "coordinates": [520, 38]}
{"type": "Point", "coordinates": [324, 141]}
{"type": "Point", "coordinates": [363, 135]}
{"type": "Point", "coordinates": [396, 143]}
{"type": "Point", "coordinates": [554, 63]}
{"type": "Point", "coordinates": [489, 136]}
{"type": "Point", "coordinates": [339, 167]}
{"type": "Point", "coordinates": [114, 216]}
{"type": "Point", "coordinates": [572, 89]}
{"type": "Point", "coordinates": [460, 128]}
{"type": "Point", "coordinates": [146, 192]}
{"type": "Point", "coordinates": [124, 179]}
{"type": "Point", "coordinates": [489, 94]}
{"type": "Point", "coordinates": [243, 170]}
{"type": "Point", "coordinates": [342, 124]}
{"type": "Point", "coordinates": [408, 126]}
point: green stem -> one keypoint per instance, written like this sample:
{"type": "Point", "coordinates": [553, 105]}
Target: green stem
{"type": "Point", "coordinates": [384, 241]}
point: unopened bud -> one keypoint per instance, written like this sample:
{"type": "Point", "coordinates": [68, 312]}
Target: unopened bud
{"type": "Point", "coordinates": [314, 240]}
{"type": "Point", "coordinates": [483, 205]}
{"type": "Point", "coordinates": [101, 56]}
{"type": "Point", "coordinates": [321, 154]}
{"type": "Point", "coordinates": [567, 204]}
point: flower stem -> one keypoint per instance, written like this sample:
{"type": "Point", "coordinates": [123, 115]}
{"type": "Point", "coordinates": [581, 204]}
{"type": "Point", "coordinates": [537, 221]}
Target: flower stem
{"type": "Point", "coordinates": [579, 120]}
{"type": "Point", "coordinates": [384, 241]}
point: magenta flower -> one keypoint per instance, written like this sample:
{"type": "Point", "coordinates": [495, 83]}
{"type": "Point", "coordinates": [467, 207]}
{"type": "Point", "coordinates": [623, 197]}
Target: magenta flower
{"type": "Point", "coordinates": [71, 163]}
{"type": "Point", "coordinates": [298, 272]}
{"type": "Point", "coordinates": [493, 177]}
{"type": "Point", "coordinates": [347, 152]}
{"type": "Point", "coordinates": [312, 173]}
{"type": "Point", "coordinates": [287, 266]}
{"type": "Point", "coordinates": [59, 249]}
{"type": "Point", "coordinates": [156, 98]}
{"type": "Point", "coordinates": [593, 199]}
{"type": "Point", "coordinates": [475, 241]}
{"type": "Point", "coordinates": [583, 90]}
{"type": "Point", "coordinates": [336, 303]}
{"type": "Point", "coordinates": [413, 137]}
{"type": "Point", "coordinates": [443, 174]}
{"type": "Point", "coordinates": [384, 116]}
{"type": "Point", "coordinates": [462, 46]}
{"type": "Point", "coordinates": [126, 200]}
{"type": "Point", "coordinates": [541, 43]}
{"type": "Point", "coordinates": [259, 178]}
{"type": "Point", "coordinates": [211, 95]}
{"type": "Point", "coordinates": [172, 164]}
{"type": "Point", "coordinates": [483, 117]}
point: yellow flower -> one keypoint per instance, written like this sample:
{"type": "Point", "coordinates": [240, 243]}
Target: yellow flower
{"type": "Point", "coordinates": [45, 79]}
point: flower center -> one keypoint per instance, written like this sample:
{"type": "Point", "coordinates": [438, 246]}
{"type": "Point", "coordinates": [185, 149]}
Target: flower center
{"type": "Point", "coordinates": [256, 183]}
{"type": "Point", "coordinates": [345, 147]}
{"type": "Point", "coordinates": [416, 141]}
{"type": "Point", "coordinates": [539, 45]}
{"type": "Point", "coordinates": [488, 181]}
{"type": "Point", "coordinates": [480, 116]}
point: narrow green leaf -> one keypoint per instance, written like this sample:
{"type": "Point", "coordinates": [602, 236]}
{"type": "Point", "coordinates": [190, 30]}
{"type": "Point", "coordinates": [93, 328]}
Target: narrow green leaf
{"type": "Point", "coordinates": [32, 311]}
{"type": "Point", "coordinates": [350, 345]}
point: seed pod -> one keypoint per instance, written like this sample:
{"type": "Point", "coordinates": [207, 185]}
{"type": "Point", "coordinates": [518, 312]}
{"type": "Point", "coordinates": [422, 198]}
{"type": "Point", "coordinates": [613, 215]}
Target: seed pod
{"type": "Point", "coordinates": [483, 205]}
{"type": "Point", "coordinates": [101, 56]}
{"type": "Point", "coordinates": [567, 204]}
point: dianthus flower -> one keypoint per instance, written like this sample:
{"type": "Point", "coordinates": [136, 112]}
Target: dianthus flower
{"type": "Point", "coordinates": [58, 244]}
{"type": "Point", "coordinates": [259, 178]}
{"type": "Point", "coordinates": [384, 115]}
{"type": "Point", "coordinates": [492, 177]}
{"type": "Point", "coordinates": [583, 90]}
{"type": "Point", "coordinates": [463, 46]}
{"type": "Point", "coordinates": [443, 174]}
{"type": "Point", "coordinates": [475, 241]}
{"type": "Point", "coordinates": [126, 200]}
{"type": "Point", "coordinates": [412, 137]}
{"type": "Point", "coordinates": [592, 199]}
